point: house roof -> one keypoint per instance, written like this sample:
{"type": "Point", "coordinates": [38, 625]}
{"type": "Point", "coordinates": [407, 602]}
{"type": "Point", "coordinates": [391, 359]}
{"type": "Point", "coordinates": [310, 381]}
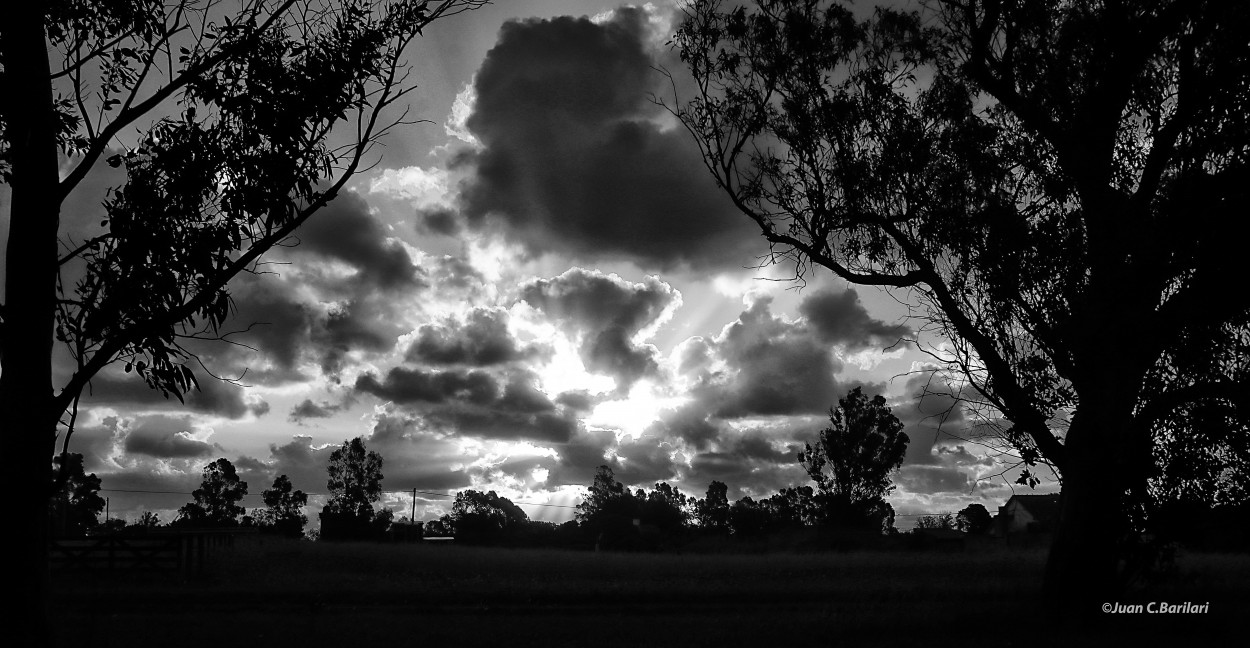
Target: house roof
{"type": "Point", "coordinates": [1041, 507]}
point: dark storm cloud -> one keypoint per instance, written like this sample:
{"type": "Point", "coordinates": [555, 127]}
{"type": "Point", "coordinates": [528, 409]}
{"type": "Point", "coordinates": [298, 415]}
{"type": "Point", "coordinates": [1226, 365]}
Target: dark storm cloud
{"type": "Point", "coordinates": [644, 460]}
{"type": "Point", "coordinates": [691, 423]}
{"type": "Point", "coordinates": [301, 461]}
{"type": "Point", "coordinates": [499, 423]}
{"type": "Point", "coordinates": [931, 413]}
{"type": "Point", "coordinates": [437, 220]}
{"type": "Point", "coordinates": [482, 339]}
{"type": "Point", "coordinates": [776, 368]}
{"type": "Point", "coordinates": [607, 311]}
{"type": "Point", "coordinates": [366, 325]}
{"type": "Point", "coordinates": [414, 456]}
{"type": "Point", "coordinates": [579, 400]}
{"type": "Point", "coordinates": [275, 324]}
{"type": "Point", "coordinates": [165, 437]}
{"type": "Point", "coordinates": [454, 272]}
{"type": "Point", "coordinates": [574, 159]}
{"type": "Point", "coordinates": [839, 318]}
{"type": "Point", "coordinates": [476, 403]}
{"type": "Point", "coordinates": [403, 386]}
{"type": "Point", "coordinates": [579, 456]}
{"type": "Point", "coordinates": [308, 409]}
{"type": "Point", "coordinates": [930, 480]}
{"type": "Point", "coordinates": [753, 460]}
{"type": "Point", "coordinates": [344, 230]}
{"type": "Point", "coordinates": [95, 442]}
{"type": "Point", "coordinates": [216, 397]}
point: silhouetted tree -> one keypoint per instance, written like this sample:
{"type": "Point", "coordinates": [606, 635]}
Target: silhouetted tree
{"type": "Point", "coordinates": [485, 518]}
{"type": "Point", "coordinates": [256, 90]}
{"type": "Point", "coordinates": [147, 520]}
{"type": "Point", "coordinates": [853, 460]}
{"type": "Point", "coordinates": [75, 503]}
{"type": "Point", "coordinates": [665, 508]}
{"type": "Point", "coordinates": [284, 509]}
{"type": "Point", "coordinates": [940, 521]}
{"type": "Point", "coordinates": [1055, 183]}
{"type": "Point", "coordinates": [792, 507]}
{"type": "Point", "coordinates": [974, 520]}
{"type": "Point", "coordinates": [608, 509]}
{"type": "Point", "coordinates": [748, 519]}
{"type": "Point", "coordinates": [713, 510]}
{"type": "Point", "coordinates": [216, 500]}
{"type": "Point", "coordinates": [439, 528]}
{"type": "Point", "coordinates": [355, 481]}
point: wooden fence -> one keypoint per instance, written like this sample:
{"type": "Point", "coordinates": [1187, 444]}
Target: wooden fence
{"type": "Point", "coordinates": [183, 550]}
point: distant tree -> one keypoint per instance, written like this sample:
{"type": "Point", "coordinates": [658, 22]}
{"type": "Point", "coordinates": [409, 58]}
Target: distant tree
{"type": "Point", "coordinates": [147, 520]}
{"type": "Point", "coordinates": [792, 507]}
{"type": "Point", "coordinates": [284, 509]}
{"type": "Point", "coordinates": [485, 518]}
{"type": "Point", "coordinates": [941, 521]}
{"type": "Point", "coordinates": [749, 519]}
{"type": "Point", "coordinates": [665, 508]}
{"type": "Point", "coordinates": [608, 509]}
{"type": "Point", "coordinates": [713, 510]}
{"type": "Point", "coordinates": [853, 460]}
{"type": "Point", "coordinates": [974, 519]}
{"type": "Point", "coordinates": [355, 481]}
{"type": "Point", "coordinates": [855, 457]}
{"type": "Point", "coordinates": [440, 528]}
{"type": "Point", "coordinates": [216, 500]}
{"type": "Point", "coordinates": [75, 503]}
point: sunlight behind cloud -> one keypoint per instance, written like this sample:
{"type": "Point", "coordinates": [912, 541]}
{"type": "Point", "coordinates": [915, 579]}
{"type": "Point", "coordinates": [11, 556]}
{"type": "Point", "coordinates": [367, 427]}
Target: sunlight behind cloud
{"type": "Point", "coordinates": [422, 187]}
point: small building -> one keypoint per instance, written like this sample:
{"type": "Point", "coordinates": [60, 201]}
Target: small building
{"type": "Point", "coordinates": [1027, 514]}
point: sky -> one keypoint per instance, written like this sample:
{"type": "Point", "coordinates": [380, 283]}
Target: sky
{"type": "Point", "coordinates": [540, 281]}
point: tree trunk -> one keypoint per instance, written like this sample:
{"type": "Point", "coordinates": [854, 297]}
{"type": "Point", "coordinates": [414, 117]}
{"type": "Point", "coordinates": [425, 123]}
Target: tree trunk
{"type": "Point", "coordinates": [1081, 570]}
{"type": "Point", "coordinates": [28, 425]}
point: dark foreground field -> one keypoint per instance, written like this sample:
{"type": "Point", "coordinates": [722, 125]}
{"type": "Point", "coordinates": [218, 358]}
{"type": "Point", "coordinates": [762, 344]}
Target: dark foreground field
{"type": "Point", "coordinates": [276, 593]}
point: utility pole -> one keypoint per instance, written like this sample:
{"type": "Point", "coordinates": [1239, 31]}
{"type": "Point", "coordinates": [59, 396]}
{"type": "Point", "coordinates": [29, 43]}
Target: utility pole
{"type": "Point", "coordinates": [413, 517]}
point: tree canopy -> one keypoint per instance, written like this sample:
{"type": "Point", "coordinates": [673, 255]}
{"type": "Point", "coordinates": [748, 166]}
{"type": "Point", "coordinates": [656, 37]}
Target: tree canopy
{"type": "Point", "coordinates": [284, 508]}
{"type": "Point", "coordinates": [221, 118]}
{"type": "Point", "coordinates": [355, 479]}
{"type": "Point", "coordinates": [1054, 183]}
{"type": "Point", "coordinates": [854, 459]}
{"type": "Point", "coordinates": [483, 518]}
{"type": "Point", "coordinates": [974, 519]}
{"type": "Point", "coordinates": [75, 504]}
{"type": "Point", "coordinates": [217, 499]}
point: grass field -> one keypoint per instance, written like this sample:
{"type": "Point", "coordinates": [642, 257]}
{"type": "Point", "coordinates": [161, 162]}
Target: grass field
{"type": "Point", "coordinates": [287, 593]}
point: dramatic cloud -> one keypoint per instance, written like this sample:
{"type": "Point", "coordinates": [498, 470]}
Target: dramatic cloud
{"type": "Point", "coordinates": [344, 231]}
{"type": "Point", "coordinates": [475, 402]}
{"type": "Point", "coordinates": [575, 158]}
{"type": "Point", "coordinates": [437, 220]}
{"type": "Point", "coordinates": [765, 366]}
{"type": "Point", "coordinates": [365, 325]}
{"type": "Point", "coordinates": [165, 437]}
{"type": "Point", "coordinates": [839, 318]}
{"type": "Point", "coordinates": [482, 339]}
{"type": "Point", "coordinates": [308, 409]}
{"type": "Point", "coordinates": [215, 397]}
{"type": "Point", "coordinates": [927, 480]}
{"type": "Point", "coordinates": [273, 323]}
{"type": "Point", "coordinates": [608, 313]}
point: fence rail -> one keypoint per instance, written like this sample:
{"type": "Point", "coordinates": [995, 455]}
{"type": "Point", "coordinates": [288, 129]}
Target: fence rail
{"type": "Point", "coordinates": [184, 551]}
